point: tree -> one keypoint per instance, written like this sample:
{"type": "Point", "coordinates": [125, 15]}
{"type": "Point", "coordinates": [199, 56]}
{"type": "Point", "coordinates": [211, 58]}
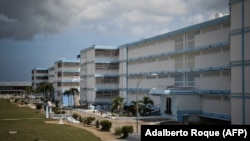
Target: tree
{"type": "Point", "coordinates": [132, 108]}
{"type": "Point", "coordinates": [29, 90]}
{"type": "Point", "coordinates": [46, 88]}
{"type": "Point", "coordinates": [126, 130]}
{"type": "Point", "coordinates": [75, 93]}
{"type": "Point", "coordinates": [147, 105]}
{"type": "Point", "coordinates": [117, 103]}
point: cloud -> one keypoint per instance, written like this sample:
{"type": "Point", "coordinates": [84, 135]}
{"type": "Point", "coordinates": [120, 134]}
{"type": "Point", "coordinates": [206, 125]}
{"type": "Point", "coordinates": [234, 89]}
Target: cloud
{"type": "Point", "coordinates": [22, 20]}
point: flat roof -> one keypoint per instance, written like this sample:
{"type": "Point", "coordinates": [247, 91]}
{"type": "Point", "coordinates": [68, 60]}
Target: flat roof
{"type": "Point", "coordinates": [15, 83]}
{"type": "Point", "coordinates": [179, 31]}
{"type": "Point", "coordinates": [107, 47]}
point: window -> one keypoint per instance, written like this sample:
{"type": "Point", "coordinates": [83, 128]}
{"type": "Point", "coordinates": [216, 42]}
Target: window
{"type": "Point", "coordinates": [190, 79]}
{"type": "Point", "coordinates": [168, 106]}
{"type": "Point", "coordinates": [178, 43]}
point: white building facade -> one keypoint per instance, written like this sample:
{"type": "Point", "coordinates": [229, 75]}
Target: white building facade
{"type": "Point", "coordinates": [99, 74]}
{"type": "Point", "coordinates": [39, 75]}
{"type": "Point", "coordinates": [188, 62]}
{"type": "Point", "coordinates": [240, 61]}
{"type": "Point", "coordinates": [64, 76]}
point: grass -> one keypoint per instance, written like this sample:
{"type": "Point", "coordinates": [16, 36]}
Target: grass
{"type": "Point", "coordinates": [30, 126]}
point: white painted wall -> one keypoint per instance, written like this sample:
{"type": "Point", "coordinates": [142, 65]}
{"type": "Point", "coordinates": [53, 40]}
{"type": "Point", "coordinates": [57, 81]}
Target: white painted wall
{"type": "Point", "coordinates": [216, 104]}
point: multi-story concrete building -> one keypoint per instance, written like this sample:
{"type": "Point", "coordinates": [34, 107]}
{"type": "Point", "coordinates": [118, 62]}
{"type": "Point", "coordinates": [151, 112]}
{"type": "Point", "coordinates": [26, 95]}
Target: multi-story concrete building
{"type": "Point", "coordinates": [39, 75]}
{"type": "Point", "coordinates": [99, 74]}
{"type": "Point", "coordinates": [64, 76]}
{"type": "Point", "coordinates": [193, 67]}
{"type": "Point", "coordinates": [240, 61]}
{"type": "Point", "coordinates": [202, 70]}
{"type": "Point", "coordinates": [9, 89]}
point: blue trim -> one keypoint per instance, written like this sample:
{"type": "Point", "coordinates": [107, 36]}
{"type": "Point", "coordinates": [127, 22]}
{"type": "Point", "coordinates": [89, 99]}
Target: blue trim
{"type": "Point", "coordinates": [68, 61]}
{"type": "Point", "coordinates": [41, 69]}
{"type": "Point", "coordinates": [106, 89]}
{"type": "Point", "coordinates": [189, 92]}
{"type": "Point", "coordinates": [138, 90]}
{"type": "Point", "coordinates": [182, 113]}
{"type": "Point", "coordinates": [69, 71]}
{"type": "Point", "coordinates": [243, 63]}
{"type": "Point", "coordinates": [239, 31]}
{"type": "Point", "coordinates": [200, 48]}
{"type": "Point", "coordinates": [69, 81]}
{"type": "Point", "coordinates": [127, 75]}
{"type": "Point", "coordinates": [216, 116]}
{"type": "Point", "coordinates": [106, 47]}
{"type": "Point", "coordinates": [107, 61]}
{"type": "Point", "coordinates": [208, 69]}
{"type": "Point", "coordinates": [239, 95]}
{"type": "Point", "coordinates": [106, 75]}
{"type": "Point", "coordinates": [238, 63]}
{"type": "Point", "coordinates": [180, 31]}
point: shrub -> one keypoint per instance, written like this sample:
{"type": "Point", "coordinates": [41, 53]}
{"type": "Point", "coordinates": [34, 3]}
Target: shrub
{"type": "Point", "coordinates": [126, 130]}
{"type": "Point", "coordinates": [80, 119]}
{"type": "Point", "coordinates": [106, 125]}
{"type": "Point", "coordinates": [75, 116]}
{"type": "Point", "coordinates": [89, 120]}
{"type": "Point", "coordinates": [118, 131]}
{"type": "Point", "coordinates": [97, 124]}
{"type": "Point", "coordinates": [39, 106]}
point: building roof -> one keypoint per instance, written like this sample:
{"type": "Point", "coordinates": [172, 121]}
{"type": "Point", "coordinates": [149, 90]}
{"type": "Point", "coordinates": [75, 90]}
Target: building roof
{"type": "Point", "coordinates": [15, 83]}
{"type": "Point", "coordinates": [179, 31]}
{"type": "Point", "coordinates": [107, 47]}
{"type": "Point", "coordinates": [68, 60]}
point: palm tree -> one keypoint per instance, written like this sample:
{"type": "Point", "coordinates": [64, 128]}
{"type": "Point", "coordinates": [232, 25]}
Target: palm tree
{"type": "Point", "coordinates": [73, 92]}
{"type": "Point", "coordinates": [29, 91]}
{"type": "Point", "coordinates": [133, 107]}
{"type": "Point", "coordinates": [146, 103]}
{"type": "Point", "coordinates": [117, 103]}
{"type": "Point", "coordinates": [46, 88]}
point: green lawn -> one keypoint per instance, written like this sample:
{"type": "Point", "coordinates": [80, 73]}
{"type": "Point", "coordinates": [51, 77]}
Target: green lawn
{"type": "Point", "coordinates": [30, 126]}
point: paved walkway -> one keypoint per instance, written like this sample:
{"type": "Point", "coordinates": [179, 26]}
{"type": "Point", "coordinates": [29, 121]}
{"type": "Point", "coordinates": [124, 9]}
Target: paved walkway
{"type": "Point", "coordinates": [20, 118]}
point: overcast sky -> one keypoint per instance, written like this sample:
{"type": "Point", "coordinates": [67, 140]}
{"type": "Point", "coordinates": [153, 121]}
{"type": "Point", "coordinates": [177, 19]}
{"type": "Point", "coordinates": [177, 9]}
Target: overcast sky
{"type": "Point", "coordinates": [36, 33]}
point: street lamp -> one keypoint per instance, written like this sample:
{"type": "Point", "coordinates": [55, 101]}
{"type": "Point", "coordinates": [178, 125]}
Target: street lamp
{"type": "Point", "coordinates": [137, 86]}
{"type": "Point", "coordinates": [61, 105]}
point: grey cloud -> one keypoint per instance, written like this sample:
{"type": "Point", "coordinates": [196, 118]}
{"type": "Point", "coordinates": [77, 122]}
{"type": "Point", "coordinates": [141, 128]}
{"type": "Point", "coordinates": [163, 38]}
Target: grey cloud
{"type": "Point", "coordinates": [22, 20]}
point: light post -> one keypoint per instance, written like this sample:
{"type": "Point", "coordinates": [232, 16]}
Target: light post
{"type": "Point", "coordinates": [61, 105]}
{"type": "Point", "coordinates": [137, 86]}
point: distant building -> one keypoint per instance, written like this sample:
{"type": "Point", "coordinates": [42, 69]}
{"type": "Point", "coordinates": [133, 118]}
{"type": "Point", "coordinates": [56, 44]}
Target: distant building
{"type": "Point", "coordinates": [8, 89]}
{"type": "Point", "coordinates": [99, 74]}
{"type": "Point", "coordinates": [64, 75]}
{"type": "Point", "coordinates": [39, 75]}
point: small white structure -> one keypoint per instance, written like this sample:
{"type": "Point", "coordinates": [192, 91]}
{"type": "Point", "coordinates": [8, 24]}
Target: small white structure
{"type": "Point", "coordinates": [48, 109]}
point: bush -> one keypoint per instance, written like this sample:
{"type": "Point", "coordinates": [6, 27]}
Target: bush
{"type": "Point", "coordinates": [75, 116]}
{"type": "Point", "coordinates": [118, 131]}
{"type": "Point", "coordinates": [106, 125]}
{"type": "Point", "coordinates": [97, 124]}
{"type": "Point", "coordinates": [89, 120]}
{"type": "Point", "coordinates": [39, 106]}
{"type": "Point", "coordinates": [80, 119]}
{"type": "Point", "coordinates": [126, 130]}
